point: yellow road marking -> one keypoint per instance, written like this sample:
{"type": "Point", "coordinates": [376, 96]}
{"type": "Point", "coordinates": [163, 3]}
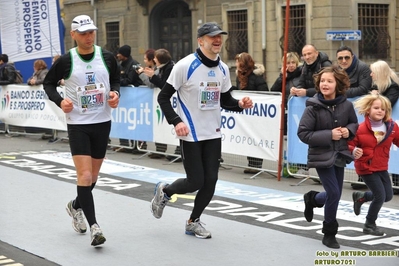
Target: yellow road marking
{"type": "Point", "coordinates": [7, 157]}
{"type": "Point", "coordinates": [174, 197]}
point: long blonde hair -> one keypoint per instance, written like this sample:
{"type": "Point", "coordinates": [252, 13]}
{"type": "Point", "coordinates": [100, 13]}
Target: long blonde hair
{"type": "Point", "coordinates": [383, 75]}
{"type": "Point", "coordinates": [363, 105]}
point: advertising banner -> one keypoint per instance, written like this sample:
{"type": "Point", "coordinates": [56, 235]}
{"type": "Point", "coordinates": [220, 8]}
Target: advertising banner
{"type": "Point", "coordinates": [29, 106]}
{"type": "Point", "coordinates": [29, 29]}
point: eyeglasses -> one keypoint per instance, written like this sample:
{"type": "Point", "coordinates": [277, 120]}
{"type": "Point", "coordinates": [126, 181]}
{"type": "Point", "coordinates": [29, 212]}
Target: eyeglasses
{"type": "Point", "coordinates": [344, 57]}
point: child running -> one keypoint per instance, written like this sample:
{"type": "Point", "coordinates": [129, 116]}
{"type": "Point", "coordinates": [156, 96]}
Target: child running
{"type": "Point", "coordinates": [370, 148]}
{"type": "Point", "coordinates": [328, 121]}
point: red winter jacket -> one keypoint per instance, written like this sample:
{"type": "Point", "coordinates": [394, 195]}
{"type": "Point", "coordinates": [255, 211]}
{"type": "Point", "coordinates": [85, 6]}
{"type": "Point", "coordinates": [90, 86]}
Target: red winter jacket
{"type": "Point", "coordinates": [375, 156]}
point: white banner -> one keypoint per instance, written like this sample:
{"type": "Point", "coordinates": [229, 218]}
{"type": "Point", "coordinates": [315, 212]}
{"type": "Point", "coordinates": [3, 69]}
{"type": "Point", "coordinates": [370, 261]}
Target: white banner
{"type": "Point", "coordinates": [29, 106]}
{"type": "Point", "coordinates": [254, 132]}
{"type": "Point", "coordinates": [29, 29]}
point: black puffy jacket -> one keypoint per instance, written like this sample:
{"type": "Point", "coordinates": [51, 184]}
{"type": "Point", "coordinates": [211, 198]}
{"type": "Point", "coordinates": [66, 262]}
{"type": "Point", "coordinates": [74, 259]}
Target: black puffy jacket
{"type": "Point", "coordinates": [360, 79]}
{"type": "Point", "coordinates": [315, 129]}
{"type": "Point", "coordinates": [306, 79]}
{"type": "Point", "coordinates": [7, 74]}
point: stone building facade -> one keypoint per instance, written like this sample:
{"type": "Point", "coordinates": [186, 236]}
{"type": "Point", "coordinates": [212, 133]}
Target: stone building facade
{"type": "Point", "coordinates": [256, 26]}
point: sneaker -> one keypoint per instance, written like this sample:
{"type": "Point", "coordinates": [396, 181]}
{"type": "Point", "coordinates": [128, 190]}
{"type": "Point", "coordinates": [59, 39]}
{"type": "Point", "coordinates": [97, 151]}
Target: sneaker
{"type": "Point", "coordinates": [78, 221]}
{"type": "Point", "coordinates": [159, 201]}
{"type": "Point", "coordinates": [358, 200]}
{"type": "Point", "coordinates": [196, 229]}
{"type": "Point", "coordinates": [372, 229]}
{"type": "Point", "coordinates": [97, 237]}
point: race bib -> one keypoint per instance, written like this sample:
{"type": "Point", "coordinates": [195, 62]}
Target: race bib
{"type": "Point", "coordinates": [91, 98]}
{"type": "Point", "coordinates": [209, 95]}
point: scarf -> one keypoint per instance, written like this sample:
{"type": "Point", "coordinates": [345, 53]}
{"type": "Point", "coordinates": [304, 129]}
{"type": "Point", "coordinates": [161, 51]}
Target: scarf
{"type": "Point", "coordinates": [352, 66]}
{"type": "Point", "coordinates": [205, 60]}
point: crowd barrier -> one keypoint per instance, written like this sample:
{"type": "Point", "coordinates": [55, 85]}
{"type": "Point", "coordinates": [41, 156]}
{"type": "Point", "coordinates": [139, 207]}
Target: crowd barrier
{"type": "Point", "coordinates": [138, 117]}
{"type": "Point", "coordinates": [254, 132]}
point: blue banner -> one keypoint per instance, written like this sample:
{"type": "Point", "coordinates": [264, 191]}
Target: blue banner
{"type": "Point", "coordinates": [133, 118]}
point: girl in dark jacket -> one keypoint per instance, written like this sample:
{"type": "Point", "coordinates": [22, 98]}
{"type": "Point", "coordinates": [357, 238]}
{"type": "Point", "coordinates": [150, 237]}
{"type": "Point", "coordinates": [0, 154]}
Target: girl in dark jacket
{"type": "Point", "coordinates": [370, 148]}
{"type": "Point", "coordinates": [328, 121]}
{"type": "Point", "coordinates": [250, 78]}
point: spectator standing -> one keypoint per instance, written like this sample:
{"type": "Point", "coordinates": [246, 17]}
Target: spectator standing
{"type": "Point", "coordinates": [250, 78]}
{"type": "Point", "coordinates": [385, 81]}
{"type": "Point", "coordinates": [128, 77]}
{"type": "Point", "coordinates": [157, 77]}
{"type": "Point", "coordinates": [327, 123]}
{"type": "Point", "coordinates": [357, 70]}
{"type": "Point", "coordinates": [314, 61]}
{"type": "Point", "coordinates": [89, 72]}
{"type": "Point", "coordinates": [202, 82]}
{"type": "Point", "coordinates": [371, 147]}
{"type": "Point", "coordinates": [40, 72]}
{"type": "Point", "coordinates": [128, 66]}
{"type": "Point", "coordinates": [149, 62]}
{"type": "Point", "coordinates": [7, 71]}
{"type": "Point", "coordinates": [293, 73]}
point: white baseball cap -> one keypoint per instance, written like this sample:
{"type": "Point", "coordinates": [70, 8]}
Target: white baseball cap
{"type": "Point", "coordinates": [82, 23]}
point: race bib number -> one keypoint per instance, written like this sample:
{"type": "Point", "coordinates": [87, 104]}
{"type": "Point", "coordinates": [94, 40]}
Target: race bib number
{"type": "Point", "coordinates": [91, 98]}
{"type": "Point", "coordinates": [209, 95]}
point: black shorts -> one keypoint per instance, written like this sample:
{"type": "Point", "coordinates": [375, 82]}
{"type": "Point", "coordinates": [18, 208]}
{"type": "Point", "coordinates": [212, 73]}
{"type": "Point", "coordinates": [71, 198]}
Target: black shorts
{"type": "Point", "coordinates": [90, 139]}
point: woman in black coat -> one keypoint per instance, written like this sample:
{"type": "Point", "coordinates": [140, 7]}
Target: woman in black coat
{"type": "Point", "coordinates": [250, 78]}
{"type": "Point", "coordinates": [385, 81]}
{"type": "Point", "coordinates": [293, 74]}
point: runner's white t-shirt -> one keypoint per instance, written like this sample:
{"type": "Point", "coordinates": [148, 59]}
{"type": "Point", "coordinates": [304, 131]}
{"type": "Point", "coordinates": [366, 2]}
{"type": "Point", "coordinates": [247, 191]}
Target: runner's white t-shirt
{"type": "Point", "coordinates": [199, 90]}
{"type": "Point", "coordinates": [88, 87]}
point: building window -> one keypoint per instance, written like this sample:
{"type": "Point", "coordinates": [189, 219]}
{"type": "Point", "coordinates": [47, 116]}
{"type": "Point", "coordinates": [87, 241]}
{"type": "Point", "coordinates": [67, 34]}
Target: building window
{"type": "Point", "coordinates": [296, 29]}
{"type": "Point", "coordinates": [237, 41]}
{"type": "Point", "coordinates": [373, 22]}
{"type": "Point", "coordinates": [112, 31]}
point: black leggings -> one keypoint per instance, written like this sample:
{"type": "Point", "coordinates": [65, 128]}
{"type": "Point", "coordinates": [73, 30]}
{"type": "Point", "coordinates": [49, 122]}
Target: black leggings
{"type": "Point", "coordinates": [201, 162]}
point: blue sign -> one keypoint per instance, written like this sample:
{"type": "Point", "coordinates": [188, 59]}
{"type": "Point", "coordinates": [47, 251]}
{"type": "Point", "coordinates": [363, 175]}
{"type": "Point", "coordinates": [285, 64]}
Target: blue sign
{"type": "Point", "coordinates": [344, 35]}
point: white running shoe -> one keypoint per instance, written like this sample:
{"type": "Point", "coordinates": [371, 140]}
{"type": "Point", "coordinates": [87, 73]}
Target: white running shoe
{"type": "Point", "coordinates": [78, 220]}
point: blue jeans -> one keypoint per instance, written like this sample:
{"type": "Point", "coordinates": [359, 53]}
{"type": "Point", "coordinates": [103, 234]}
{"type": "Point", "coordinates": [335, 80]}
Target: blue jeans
{"type": "Point", "coordinates": [332, 180]}
{"type": "Point", "coordinates": [381, 191]}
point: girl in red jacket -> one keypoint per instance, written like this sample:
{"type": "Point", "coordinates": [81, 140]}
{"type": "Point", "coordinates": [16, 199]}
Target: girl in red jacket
{"type": "Point", "coordinates": [371, 147]}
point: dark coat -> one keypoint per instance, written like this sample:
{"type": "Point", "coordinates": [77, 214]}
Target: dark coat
{"type": "Point", "coordinates": [129, 75]}
{"type": "Point", "coordinates": [256, 82]}
{"type": "Point", "coordinates": [360, 79]}
{"type": "Point", "coordinates": [392, 92]}
{"type": "Point", "coordinates": [306, 80]}
{"type": "Point", "coordinates": [375, 155]}
{"type": "Point", "coordinates": [7, 74]}
{"type": "Point", "coordinates": [315, 128]}
{"type": "Point", "coordinates": [161, 75]}
{"type": "Point", "coordinates": [291, 80]}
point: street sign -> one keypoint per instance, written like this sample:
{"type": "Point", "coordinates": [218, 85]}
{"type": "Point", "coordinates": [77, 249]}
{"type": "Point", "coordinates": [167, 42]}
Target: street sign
{"type": "Point", "coordinates": [344, 35]}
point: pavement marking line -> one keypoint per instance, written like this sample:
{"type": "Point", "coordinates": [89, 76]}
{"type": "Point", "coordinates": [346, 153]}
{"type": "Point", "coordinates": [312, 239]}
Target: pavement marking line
{"type": "Point", "coordinates": [176, 196]}
{"type": "Point", "coordinates": [6, 261]}
{"type": "Point", "coordinates": [7, 157]}
{"type": "Point", "coordinates": [247, 193]}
